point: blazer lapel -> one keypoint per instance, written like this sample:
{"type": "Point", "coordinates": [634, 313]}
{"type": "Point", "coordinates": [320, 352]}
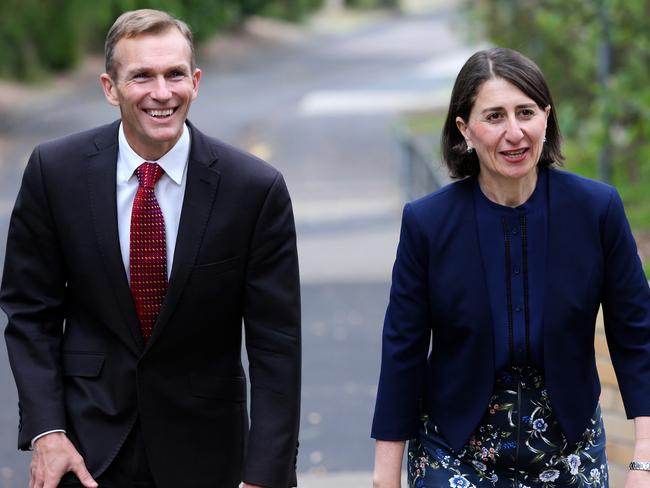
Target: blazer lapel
{"type": "Point", "coordinates": [200, 191]}
{"type": "Point", "coordinates": [561, 255]}
{"type": "Point", "coordinates": [102, 190]}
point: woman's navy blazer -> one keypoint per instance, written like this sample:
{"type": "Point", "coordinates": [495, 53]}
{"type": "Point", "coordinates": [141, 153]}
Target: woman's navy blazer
{"type": "Point", "coordinates": [438, 343]}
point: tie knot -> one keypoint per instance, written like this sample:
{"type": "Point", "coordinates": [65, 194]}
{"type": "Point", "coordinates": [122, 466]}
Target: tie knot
{"type": "Point", "coordinates": [148, 174]}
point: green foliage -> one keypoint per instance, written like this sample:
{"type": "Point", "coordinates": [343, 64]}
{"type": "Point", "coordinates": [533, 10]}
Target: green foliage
{"type": "Point", "coordinates": [206, 17]}
{"type": "Point", "coordinates": [293, 10]}
{"type": "Point", "coordinates": [564, 38]}
{"type": "Point", "coordinates": [370, 4]}
{"type": "Point", "coordinates": [41, 36]}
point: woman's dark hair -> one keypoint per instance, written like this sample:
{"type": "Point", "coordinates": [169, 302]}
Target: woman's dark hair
{"type": "Point", "coordinates": [513, 67]}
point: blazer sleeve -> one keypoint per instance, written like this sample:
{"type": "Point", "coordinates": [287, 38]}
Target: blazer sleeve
{"type": "Point", "coordinates": [406, 338]}
{"type": "Point", "coordinates": [33, 297]}
{"type": "Point", "coordinates": [626, 311]}
{"type": "Point", "coordinates": [273, 344]}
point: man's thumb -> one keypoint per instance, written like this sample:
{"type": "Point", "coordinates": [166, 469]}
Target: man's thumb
{"type": "Point", "coordinates": [85, 477]}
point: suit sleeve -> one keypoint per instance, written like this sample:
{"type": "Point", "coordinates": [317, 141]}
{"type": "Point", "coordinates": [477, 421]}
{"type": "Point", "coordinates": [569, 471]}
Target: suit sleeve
{"type": "Point", "coordinates": [273, 344]}
{"type": "Point", "coordinates": [33, 297]}
{"type": "Point", "coordinates": [626, 311]}
{"type": "Point", "coordinates": [406, 339]}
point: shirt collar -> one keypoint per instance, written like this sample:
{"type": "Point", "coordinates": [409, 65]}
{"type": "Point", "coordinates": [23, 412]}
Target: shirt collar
{"type": "Point", "coordinates": [173, 162]}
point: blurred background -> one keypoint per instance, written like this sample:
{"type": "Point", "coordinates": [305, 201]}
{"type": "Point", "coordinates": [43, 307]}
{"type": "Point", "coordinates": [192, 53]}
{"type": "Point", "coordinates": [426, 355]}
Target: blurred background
{"type": "Point", "coordinates": [346, 98]}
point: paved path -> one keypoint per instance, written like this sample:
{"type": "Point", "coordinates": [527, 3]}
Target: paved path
{"type": "Point", "coordinates": [338, 480]}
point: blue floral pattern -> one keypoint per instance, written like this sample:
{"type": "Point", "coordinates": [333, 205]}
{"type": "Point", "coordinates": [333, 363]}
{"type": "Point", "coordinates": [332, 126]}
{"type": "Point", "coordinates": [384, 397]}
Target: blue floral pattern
{"type": "Point", "coordinates": [519, 443]}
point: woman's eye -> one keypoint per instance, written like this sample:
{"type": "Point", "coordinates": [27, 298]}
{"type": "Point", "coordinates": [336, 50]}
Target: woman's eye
{"type": "Point", "coordinates": [494, 116]}
{"type": "Point", "coordinates": [527, 112]}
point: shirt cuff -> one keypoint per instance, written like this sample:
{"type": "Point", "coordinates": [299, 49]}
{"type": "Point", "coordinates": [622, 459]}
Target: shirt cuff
{"type": "Point", "coordinates": [31, 445]}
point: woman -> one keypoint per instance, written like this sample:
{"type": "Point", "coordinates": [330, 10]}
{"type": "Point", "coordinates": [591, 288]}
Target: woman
{"type": "Point", "coordinates": [488, 349]}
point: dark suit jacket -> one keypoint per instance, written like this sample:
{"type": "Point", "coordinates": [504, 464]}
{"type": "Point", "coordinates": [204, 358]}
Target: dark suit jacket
{"type": "Point", "coordinates": [439, 299]}
{"type": "Point", "coordinates": [73, 337]}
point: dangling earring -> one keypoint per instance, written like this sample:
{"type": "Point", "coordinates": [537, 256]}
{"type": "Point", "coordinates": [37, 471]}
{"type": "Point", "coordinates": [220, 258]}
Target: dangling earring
{"type": "Point", "coordinates": [470, 149]}
{"type": "Point", "coordinates": [544, 139]}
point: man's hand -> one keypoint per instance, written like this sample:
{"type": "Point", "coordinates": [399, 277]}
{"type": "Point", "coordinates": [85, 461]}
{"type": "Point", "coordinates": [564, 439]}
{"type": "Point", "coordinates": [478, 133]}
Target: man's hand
{"type": "Point", "coordinates": [54, 456]}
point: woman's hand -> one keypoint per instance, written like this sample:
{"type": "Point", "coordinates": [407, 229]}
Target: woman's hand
{"type": "Point", "coordinates": [640, 479]}
{"type": "Point", "coordinates": [388, 464]}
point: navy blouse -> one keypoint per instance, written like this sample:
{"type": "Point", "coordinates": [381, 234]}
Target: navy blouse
{"type": "Point", "coordinates": [513, 243]}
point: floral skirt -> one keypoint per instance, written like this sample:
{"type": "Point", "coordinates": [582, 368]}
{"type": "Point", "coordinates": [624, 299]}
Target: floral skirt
{"type": "Point", "coordinates": [518, 444]}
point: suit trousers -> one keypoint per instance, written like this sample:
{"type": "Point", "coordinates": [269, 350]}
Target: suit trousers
{"type": "Point", "coordinates": [129, 469]}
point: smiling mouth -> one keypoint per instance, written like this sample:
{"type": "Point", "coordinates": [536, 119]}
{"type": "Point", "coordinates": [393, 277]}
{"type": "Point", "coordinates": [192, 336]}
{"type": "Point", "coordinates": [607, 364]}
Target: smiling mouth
{"type": "Point", "coordinates": [160, 114]}
{"type": "Point", "coordinates": [514, 154]}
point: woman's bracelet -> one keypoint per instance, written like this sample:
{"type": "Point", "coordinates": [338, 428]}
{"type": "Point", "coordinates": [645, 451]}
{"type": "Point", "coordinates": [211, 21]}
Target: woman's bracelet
{"type": "Point", "coordinates": [640, 465]}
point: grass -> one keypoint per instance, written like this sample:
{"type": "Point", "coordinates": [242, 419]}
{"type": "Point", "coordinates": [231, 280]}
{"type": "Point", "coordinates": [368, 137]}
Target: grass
{"type": "Point", "coordinates": [424, 123]}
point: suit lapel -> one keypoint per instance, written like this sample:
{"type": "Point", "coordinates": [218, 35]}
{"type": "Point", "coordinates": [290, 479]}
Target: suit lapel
{"type": "Point", "coordinates": [200, 191]}
{"type": "Point", "coordinates": [102, 190]}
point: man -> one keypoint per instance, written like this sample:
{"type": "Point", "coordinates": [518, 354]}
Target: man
{"type": "Point", "coordinates": [134, 252]}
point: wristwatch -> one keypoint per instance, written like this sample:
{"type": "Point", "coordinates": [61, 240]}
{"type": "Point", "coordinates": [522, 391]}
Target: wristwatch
{"type": "Point", "coordinates": [640, 465]}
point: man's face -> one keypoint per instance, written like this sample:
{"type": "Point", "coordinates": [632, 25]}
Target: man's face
{"type": "Point", "coordinates": [154, 88]}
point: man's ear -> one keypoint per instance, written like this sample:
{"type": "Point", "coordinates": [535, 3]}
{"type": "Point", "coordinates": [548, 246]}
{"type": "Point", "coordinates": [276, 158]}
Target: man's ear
{"type": "Point", "coordinates": [110, 90]}
{"type": "Point", "coordinates": [196, 78]}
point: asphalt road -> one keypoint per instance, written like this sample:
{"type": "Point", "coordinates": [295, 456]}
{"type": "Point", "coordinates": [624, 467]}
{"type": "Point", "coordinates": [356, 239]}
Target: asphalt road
{"type": "Point", "coordinates": [322, 109]}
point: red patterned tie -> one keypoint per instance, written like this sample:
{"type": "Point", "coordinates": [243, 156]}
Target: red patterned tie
{"type": "Point", "coordinates": [148, 252]}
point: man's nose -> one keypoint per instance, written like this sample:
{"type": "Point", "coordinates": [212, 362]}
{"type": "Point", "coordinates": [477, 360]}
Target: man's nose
{"type": "Point", "coordinates": [161, 89]}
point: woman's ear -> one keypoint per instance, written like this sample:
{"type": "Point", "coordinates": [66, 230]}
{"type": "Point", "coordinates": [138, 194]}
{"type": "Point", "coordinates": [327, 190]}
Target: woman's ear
{"type": "Point", "coordinates": [462, 127]}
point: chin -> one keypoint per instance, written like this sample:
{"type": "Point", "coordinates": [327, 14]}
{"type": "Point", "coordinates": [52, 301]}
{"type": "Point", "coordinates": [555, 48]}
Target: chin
{"type": "Point", "coordinates": [165, 135]}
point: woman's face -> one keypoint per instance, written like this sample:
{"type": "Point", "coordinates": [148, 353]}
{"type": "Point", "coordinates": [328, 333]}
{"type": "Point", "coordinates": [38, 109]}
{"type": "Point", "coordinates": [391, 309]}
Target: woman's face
{"type": "Point", "coordinates": [506, 128]}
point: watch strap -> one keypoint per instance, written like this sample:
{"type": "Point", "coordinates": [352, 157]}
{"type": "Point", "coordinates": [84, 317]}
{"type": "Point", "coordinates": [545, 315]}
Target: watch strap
{"type": "Point", "coordinates": [640, 465]}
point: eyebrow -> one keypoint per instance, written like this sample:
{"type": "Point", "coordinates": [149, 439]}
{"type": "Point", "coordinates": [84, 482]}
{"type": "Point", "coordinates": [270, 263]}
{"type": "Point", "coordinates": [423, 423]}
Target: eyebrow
{"type": "Point", "coordinates": [147, 69]}
{"type": "Point", "coordinates": [181, 67]}
{"type": "Point", "coordinates": [496, 109]}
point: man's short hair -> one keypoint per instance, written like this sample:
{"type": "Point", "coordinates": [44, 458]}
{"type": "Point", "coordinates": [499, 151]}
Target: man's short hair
{"type": "Point", "coordinates": [143, 21]}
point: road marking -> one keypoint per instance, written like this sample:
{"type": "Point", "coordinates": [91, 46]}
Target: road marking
{"type": "Point", "coordinates": [446, 67]}
{"type": "Point", "coordinates": [333, 209]}
{"type": "Point", "coordinates": [365, 256]}
{"type": "Point", "coordinates": [346, 102]}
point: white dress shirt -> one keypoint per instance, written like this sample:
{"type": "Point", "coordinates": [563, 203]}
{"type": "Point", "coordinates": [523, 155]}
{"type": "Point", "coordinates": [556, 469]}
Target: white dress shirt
{"type": "Point", "coordinates": [169, 191]}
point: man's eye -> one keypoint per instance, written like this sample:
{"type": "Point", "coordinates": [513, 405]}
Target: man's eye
{"type": "Point", "coordinates": [140, 76]}
{"type": "Point", "coordinates": [176, 74]}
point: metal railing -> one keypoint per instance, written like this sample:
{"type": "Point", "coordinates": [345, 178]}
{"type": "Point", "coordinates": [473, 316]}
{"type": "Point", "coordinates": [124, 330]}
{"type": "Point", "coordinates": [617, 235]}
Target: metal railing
{"type": "Point", "coordinates": [421, 173]}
